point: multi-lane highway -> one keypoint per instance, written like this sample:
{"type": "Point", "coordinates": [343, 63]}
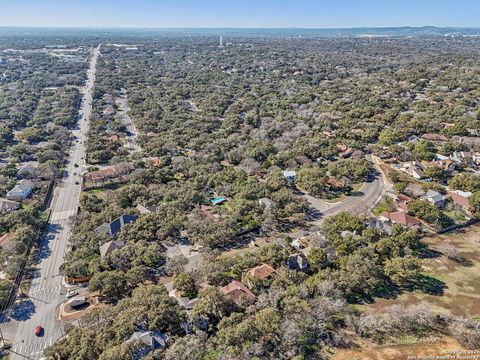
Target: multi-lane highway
{"type": "Point", "coordinates": [46, 288]}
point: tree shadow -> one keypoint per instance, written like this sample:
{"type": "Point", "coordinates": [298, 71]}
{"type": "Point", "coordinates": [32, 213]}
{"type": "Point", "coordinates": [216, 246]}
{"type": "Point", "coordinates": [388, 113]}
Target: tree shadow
{"type": "Point", "coordinates": [22, 310]}
{"type": "Point", "coordinates": [429, 285]}
{"type": "Point", "coordinates": [44, 250]}
{"type": "Point", "coordinates": [462, 261]}
{"type": "Point", "coordinates": [428, 253]}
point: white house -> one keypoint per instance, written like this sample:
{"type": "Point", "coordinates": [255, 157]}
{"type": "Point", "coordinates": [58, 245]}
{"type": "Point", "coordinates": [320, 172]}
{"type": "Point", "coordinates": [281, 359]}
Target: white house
{"type": "Point", "coordinates": [19, 192]}
{"type": "Point", "coordinates": [8, 205]}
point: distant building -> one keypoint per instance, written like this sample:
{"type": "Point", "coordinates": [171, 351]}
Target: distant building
{"type": "Point", "coordinates": [261, 272]}
{"type": "Point", "coordinates": [237, 291]}
{"type": "Point", "coordinates": [380, 225]}
{"type": "Point", "coordinates": [297, 262]}
{"type": "Point", "coordinates": [150, 341]}
{"type": "Point", "coordinates": [145, 209]}
{"type": "Point", "coordinates": [19, 192]}
{"type": "Point", "coordinates": [435, 198]}
{"type": "Point", "coordinates": [434, 137]}
{"type": "Point", "coordinates": [114, 227]}
{"type": "Point", "coordinates": [290, 175]}
{"type": "Point", "coordinates": [460, 198]}
{"type": "Point", "coordinates": [401, 218]}
{"type": "Point", "coordinates": [218, 200]}
{"type": "Point", "coordinates": [412, 168]}
{"type": "Point", "coordinates": [266, 203]}
{"type": "Point", "coordinates": [108, 247]}
{"type": "Point", "coordinates": [8, 205]}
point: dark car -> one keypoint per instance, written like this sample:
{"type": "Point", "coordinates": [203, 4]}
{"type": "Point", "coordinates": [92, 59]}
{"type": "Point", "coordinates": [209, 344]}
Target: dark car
{"type": "Point", "coordinates": [38, 330]}
{"type": "Point", "coordinates": [76, 165]}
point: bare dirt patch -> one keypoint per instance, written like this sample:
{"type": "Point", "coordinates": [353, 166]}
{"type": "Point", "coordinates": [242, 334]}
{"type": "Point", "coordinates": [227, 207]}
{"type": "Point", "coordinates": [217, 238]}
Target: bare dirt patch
{"type": "Point", "coordinates": [400, 352]}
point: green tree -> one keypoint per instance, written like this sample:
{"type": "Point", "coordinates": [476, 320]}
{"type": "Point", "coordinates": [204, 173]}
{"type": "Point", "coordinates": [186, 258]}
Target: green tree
{"type": "Point", "coordinates": [184, 283]}
{"type": "Point", "coordinates": [403, 269]}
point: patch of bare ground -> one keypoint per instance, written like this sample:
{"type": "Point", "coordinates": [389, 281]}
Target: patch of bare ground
{"type": "Point", "coordinates": [399, 352]}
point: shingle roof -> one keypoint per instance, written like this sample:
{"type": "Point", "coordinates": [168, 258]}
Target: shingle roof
{"type": "Point", "coordinates": [236, 290]}
{"type": "Point", "coordinates": [261, 272]}
{"type": "Point", "coordinates": [108, 247]}
{"type": "Point", "coordinates": [116, 225]}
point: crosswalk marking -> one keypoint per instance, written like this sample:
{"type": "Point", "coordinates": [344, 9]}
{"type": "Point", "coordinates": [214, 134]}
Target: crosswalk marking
{"type": "Point", "coordinates": [62, 215]}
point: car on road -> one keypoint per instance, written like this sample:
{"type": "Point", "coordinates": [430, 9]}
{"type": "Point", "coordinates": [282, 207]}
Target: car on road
{"type": "Point", "coordinates": [77, 183]}
{"type": "Point", "coordinates": [71, 293]}
{"type": "Point", "coordinates": [38, 330]}
{"type": "Point", "coordinates": [76, 165]}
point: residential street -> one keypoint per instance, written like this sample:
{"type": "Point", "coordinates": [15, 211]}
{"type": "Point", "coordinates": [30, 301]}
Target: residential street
{"type": "Point", "coordinates": [132, 145]}
{"type": "Point", "coordinates": [359, 203]}
{"type": "Point", "coordinates": [46, 290]}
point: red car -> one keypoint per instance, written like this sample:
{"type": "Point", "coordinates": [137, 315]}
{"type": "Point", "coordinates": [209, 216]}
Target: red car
{"type": "Point", "coordinates": [38, 330]}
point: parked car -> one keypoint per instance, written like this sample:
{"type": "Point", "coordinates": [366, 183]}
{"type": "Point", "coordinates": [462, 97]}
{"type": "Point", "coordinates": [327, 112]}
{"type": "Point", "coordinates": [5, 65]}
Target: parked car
{"type": "Point", "coordinates": [71, 293]}
{"type": "Point", "coordinates": [76, 165]}
{"type": "Point", "coordinates": [38, 330]}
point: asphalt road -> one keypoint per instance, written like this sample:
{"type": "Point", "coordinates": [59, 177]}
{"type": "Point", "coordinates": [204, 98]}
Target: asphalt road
{"type": "Point", "coordinates": [361, 202]}
{"type": "Point", "coordinates": [46, 291]}
{"type": "Point", "coordinates": [132, 145]}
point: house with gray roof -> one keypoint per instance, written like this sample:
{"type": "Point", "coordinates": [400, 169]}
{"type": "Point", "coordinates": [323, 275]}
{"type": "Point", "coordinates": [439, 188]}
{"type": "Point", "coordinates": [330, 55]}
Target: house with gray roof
{"type": "Point", "coordinates": [435, 198]}
{"type": "Point", "coordinates": [108, 247]}
{"type": "Point", "coordinates": [114, 227]}
{"type": "Point", "coordinates": [149, 341]}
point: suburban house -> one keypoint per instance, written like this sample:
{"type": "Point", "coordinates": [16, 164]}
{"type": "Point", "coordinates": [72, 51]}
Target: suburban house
{"type": "Point", "coordinates": [265, 203]}
{"type": "Point", "coordinates": [237, 291]}
{"type": "Point", "coordinates": [333, 184]}
{"type": "Point", "coordinates": [151, 340]}
{"type": "Point", "coordinates": [401, 202]}
{"type": "Point", "coordinates": [8, 205]}
{"type": "Point", "coordinates": [110, 172]}
{"type": "Point", "coordinates": [400, 217]}
{"type": "Point", "coordinates": [412, 168]}
{"type": "Point", "coordinates": [116, 225]}
{"type": "Point", "coordinates": [108, 247]}
{"type": "Point", "coordinates": [19, 192]}
{"type": "Point", "coordinates": [261, 272]}
{"type": "Point", "coordinates": [435, 198]}
{"type": "Point", "coordinates": [297, 262]}
{"type": "Point", "coordinates": [465, 157]}
{"type": "Point", "coordinates": [446, 164]}
{"type": "Point", "coordinates": [27, 170]}
{"type": "Point", "coordinates": [380, 225]}
{"type": "Point", "coordinates": [218, 200]}
{"type": "Point", "coordinates": [207, 211]}
{"type": "Point", "coordinates": [434, 137]}
{"type": "Point", "coordinates": [5, 239]}
{"type": "Point", "coordinates": [145, 209]}
{"type": "Point", "coordinates": [460, 198]}
{"type": "Point", "coordinates": [290, 175]}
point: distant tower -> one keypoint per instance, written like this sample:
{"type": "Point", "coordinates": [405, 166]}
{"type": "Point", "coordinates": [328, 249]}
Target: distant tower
{"type": "Point", "coordinates": [221, 41]}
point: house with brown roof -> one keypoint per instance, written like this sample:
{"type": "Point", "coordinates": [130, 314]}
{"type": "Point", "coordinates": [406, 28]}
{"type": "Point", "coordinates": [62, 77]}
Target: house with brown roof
{"type": "Point", "coordinates": [261, 272]}
{"type": "Point", "coordinates": [237, 291]}
{"type": "Point", "coordinates": [6, 238]}
{"type": "Point", "coordinates": [434, 137]}
{"type": "Point", "coordinates": [401, 202]}
{"type": "Point", "coordinates": [460, 198]}
{"type": "Point", "coordinates": [402, 218]}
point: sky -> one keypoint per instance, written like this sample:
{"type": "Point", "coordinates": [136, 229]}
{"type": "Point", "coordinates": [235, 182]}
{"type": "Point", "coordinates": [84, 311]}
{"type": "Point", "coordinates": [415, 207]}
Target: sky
{"type": "Point", "coordinates": [239, 13]}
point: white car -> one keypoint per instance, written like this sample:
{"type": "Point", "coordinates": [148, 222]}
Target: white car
{"type": "Point", "coordinates": [71, 293]}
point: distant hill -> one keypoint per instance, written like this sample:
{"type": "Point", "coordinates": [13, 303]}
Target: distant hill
{"type": "Point", "coordinates": [294, 32]}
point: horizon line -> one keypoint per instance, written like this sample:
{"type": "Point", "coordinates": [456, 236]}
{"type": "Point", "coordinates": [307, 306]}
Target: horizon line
{"type": "Point", "coordinates": [233, 27]}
